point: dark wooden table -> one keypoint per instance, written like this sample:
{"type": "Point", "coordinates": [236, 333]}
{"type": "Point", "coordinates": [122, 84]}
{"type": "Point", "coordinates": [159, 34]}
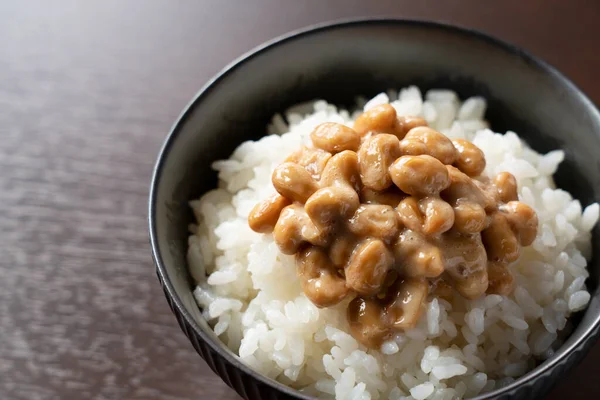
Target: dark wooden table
{"type": "Point", "coordinates": [88, 91]}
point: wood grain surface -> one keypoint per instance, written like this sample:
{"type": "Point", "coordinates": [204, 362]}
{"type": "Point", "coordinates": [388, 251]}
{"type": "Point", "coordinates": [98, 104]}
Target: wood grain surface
{"type": "Point", "coordinates": [88, 91]}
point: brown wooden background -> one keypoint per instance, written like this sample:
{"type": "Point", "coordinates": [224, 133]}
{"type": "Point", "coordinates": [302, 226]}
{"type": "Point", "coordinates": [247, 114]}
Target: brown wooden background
{"type": "Point", "coordinates": [88, 90]}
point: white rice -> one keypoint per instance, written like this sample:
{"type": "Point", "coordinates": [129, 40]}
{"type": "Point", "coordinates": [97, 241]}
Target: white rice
{"type": "Point", "coordinates": [251, 295]}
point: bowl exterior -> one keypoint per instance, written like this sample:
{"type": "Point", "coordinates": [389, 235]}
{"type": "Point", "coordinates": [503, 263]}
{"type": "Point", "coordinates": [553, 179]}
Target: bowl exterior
{"type": "Point", "coordinates": [338, 61]}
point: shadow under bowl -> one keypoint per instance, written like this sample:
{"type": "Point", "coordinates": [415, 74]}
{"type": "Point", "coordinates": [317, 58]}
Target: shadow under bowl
{"type": "Point", "coordinates": [337, 62]}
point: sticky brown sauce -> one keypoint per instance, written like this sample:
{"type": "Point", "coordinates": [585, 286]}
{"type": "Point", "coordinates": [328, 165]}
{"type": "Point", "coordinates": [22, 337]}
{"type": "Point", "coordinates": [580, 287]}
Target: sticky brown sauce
{"type": "Point", "coordinates": [392, 213]}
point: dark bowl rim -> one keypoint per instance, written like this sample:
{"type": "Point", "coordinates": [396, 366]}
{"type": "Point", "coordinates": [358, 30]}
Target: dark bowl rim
{"type": "Point", "coordinates": [471, 33]}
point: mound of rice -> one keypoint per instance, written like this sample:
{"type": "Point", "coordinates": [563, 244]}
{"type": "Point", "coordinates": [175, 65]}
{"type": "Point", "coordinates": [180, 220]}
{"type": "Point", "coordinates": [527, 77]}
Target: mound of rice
{"type": "Point", "coordinates": [249, 291]}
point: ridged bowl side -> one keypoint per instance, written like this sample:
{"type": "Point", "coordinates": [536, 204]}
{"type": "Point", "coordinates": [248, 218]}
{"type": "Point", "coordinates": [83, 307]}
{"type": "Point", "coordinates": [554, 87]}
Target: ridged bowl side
{"type": "Point", "coordinates": [249, 388]}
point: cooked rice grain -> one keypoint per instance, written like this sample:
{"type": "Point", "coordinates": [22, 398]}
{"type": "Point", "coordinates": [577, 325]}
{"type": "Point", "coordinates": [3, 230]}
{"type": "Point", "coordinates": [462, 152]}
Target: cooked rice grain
{"type": "Point", "coordinates": [254, 302]}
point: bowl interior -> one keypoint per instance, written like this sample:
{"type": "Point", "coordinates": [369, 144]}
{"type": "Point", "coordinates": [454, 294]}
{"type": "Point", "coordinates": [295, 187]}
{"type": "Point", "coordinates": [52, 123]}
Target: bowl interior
{"type": "Point", "coordinates": [337, 64]}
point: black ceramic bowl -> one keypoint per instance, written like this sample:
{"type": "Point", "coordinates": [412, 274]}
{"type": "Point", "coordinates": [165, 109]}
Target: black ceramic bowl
{"type": "Point", "coordinates": [336, 62]}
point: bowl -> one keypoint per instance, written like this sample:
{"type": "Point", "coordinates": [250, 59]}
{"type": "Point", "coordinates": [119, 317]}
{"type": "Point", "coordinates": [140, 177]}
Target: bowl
{"type": "Point", "coordinates": [336, 62]}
